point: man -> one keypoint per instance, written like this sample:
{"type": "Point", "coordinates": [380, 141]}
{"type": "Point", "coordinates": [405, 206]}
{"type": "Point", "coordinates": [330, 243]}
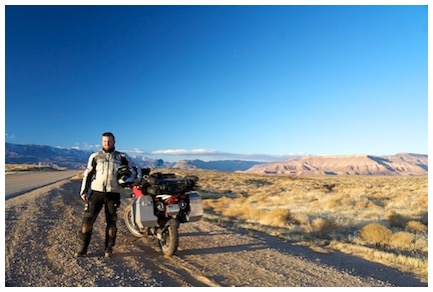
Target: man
{"type": "Point", "coordinates": [100, 188]}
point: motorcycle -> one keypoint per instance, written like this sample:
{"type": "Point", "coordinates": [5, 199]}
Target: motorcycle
{"type": "Point", "coordinates": [159, 204]}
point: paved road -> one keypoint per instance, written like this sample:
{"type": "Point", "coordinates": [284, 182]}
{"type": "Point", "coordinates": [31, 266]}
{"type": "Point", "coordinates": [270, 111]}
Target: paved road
{"type": "Point", "coordinates": [19, 183]}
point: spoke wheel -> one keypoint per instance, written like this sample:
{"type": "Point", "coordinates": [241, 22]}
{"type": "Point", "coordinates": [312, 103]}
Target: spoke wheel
{"type": "Point", "coordinates": [170, 238]}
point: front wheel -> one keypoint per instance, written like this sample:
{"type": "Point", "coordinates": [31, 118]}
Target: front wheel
{"type": "Point", "coordinates": [129, 222]}
{"type": "Point", "coordinates": [170, 238]}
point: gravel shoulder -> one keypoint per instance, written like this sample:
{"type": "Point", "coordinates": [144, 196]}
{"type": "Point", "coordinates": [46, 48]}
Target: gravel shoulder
{"type": "Point", "coordinates": [41, 235]}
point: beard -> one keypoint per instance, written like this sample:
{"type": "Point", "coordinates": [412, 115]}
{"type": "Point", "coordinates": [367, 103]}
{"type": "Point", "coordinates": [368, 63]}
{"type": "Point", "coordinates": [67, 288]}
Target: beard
{"type": "Point", "coordinates": [108, 148]}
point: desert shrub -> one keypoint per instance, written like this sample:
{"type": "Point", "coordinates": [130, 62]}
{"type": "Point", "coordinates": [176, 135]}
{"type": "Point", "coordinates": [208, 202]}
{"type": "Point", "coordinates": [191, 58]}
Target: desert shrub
{"type": "Point", "coordinates": [395, 219]}
{"type": "Point", "coordinates": [300, 218]}
{"type": "Point", "coordinates": [233, 207]}
{"type": "Point", "coordinates": [375, 234]}
{"type": "Point", "coordinates": [332, 203]}
{"type": "Point", "coordinates": [235, 212]}
{"type": "Point", "coordinates": [278, 217]}
{"type": "Point", "coordinates": [416, 226]}
{"type": "Point", "coordinates": [216, 204]}
{"type": "Point", "coordinates": [207, 204]}
{"type": "Point", "coordinates": [254, 214]}
{"type": "Point", "coordinates": [401, 240]}
{"type": "Point", "coordinates": [322, 225]}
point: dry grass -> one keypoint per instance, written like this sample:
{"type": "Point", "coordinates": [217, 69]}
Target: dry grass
{"type": "Point", "coordinates": [416, 226]}
{"type": "Point", "coordinates": [380, 218]}
{"type": "Point", "coordinates": [30, 167]}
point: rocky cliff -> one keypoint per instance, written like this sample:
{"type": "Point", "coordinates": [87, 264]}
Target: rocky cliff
{"type": "Point", "coordinates": [399, 164]}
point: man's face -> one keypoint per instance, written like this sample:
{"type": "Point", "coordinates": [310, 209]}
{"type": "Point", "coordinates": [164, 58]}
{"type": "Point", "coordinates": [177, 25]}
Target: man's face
{"type": "Point", "coordinates": [107, 143]}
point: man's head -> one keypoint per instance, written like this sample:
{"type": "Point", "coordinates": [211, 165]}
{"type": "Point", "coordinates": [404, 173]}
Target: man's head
{"type": "Point", "coordinates": [108, 141]}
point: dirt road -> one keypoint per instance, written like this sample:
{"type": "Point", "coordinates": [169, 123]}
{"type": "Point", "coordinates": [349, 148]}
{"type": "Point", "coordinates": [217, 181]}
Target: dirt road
{"type": "Point", "coordinates": [41, 237]}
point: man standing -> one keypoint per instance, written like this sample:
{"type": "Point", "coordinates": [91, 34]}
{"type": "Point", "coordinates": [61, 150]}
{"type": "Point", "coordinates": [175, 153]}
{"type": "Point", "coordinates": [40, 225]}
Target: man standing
{"type": "Point", "coordinates": [100, 188]}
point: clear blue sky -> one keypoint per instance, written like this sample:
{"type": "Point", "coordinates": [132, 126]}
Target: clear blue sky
{"type": "Point", "coordinates": [247, 82]}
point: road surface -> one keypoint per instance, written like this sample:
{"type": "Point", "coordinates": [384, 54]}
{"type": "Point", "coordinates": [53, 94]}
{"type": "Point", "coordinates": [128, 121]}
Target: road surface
{"type": "Point", "coordinates": [22, 182]}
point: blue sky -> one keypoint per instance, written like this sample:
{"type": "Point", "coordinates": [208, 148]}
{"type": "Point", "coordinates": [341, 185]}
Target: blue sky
{"type": "Point", "coordinates": [219, 82]}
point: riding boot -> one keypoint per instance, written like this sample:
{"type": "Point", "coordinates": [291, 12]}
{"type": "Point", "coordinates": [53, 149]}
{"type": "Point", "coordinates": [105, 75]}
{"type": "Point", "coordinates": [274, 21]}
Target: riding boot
{"type": "Point", "coordinates": [85, 241]}
{"type": "Point", "coordinates": [110, 240]}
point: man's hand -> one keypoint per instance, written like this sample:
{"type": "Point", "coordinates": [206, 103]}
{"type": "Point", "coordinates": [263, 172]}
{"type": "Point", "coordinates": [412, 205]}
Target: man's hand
{"type": "Point", "coordinates": [83, 197]}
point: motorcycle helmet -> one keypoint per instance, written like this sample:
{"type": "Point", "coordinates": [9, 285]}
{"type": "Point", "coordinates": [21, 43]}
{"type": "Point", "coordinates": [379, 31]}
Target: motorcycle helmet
{"type": "Point", "coordinates": [125, 176]}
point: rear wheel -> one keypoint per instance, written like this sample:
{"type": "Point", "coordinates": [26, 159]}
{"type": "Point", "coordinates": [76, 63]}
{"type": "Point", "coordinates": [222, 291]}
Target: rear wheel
{"type": "Point", "coordinates": [170, 238]}
{"type": "Point", "coordinates": [129, 222]}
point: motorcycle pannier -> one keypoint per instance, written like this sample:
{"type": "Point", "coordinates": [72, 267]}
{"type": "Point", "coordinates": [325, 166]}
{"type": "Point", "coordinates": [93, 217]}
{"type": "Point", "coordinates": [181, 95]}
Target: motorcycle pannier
{"type": "Point", "coordinates": [142, 209]}
{"type": "Point", "coordinates": [196, 207]}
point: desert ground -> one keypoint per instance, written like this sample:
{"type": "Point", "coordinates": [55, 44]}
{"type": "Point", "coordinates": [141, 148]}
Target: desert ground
{"type": "Point", "coordinates": [258, 231]}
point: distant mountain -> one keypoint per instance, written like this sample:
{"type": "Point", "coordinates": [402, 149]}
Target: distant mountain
{"type": "Point", "coordinates": [33, 154]}
{"type": "Point", "coordinates": [70, 158]}
{"type": "Point", "coordinates": [220, 165]}
{"type": "Point", "coordinates": [152, 163]}
{"type": "Point", "coordinates": [399, 164]}
{"type": "Point", "coordinates": [76, 159]}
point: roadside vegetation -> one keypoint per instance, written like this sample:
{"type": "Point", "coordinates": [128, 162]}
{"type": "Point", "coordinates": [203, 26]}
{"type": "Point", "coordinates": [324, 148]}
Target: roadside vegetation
{"type": "Point", "coordinates": [31, 167]}
{"type": "Point", "coordinates": [379, 218]}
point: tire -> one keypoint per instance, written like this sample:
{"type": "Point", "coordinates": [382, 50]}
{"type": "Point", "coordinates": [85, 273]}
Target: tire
{"type": "Point", "coordinates": [127, 217]}
{"type": "Point", "coordinates": [170, 238]}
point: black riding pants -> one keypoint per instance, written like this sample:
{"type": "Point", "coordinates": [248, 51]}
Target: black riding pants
{"type": "Point", "coordinates": [95, 203]}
